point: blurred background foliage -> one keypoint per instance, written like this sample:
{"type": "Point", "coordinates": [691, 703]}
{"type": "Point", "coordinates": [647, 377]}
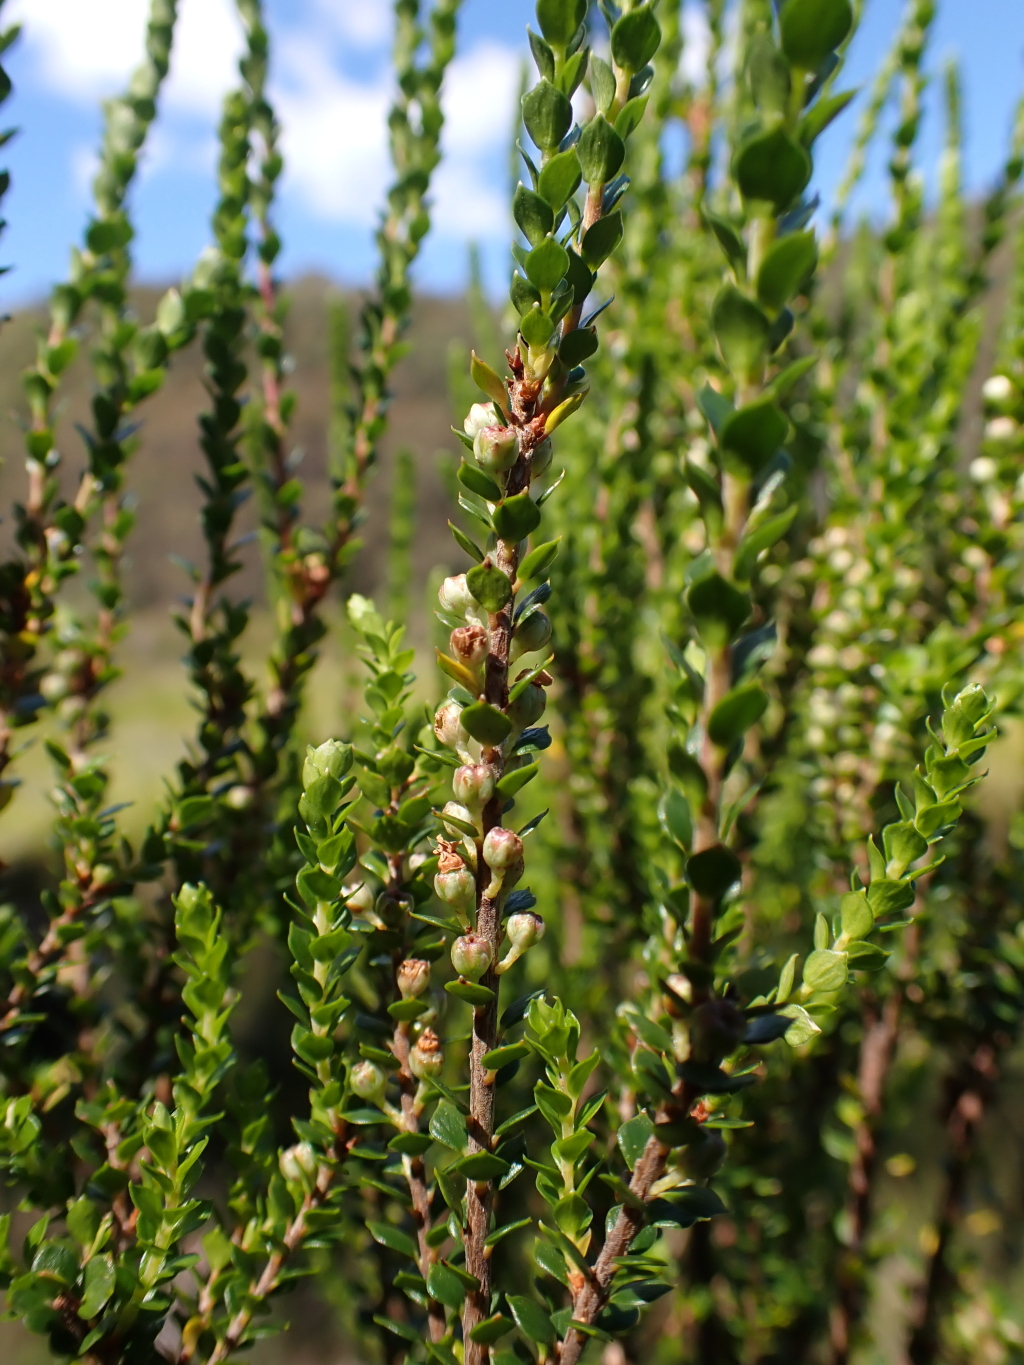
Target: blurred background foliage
{"type": "Point", "coordinates": [883, 1182]}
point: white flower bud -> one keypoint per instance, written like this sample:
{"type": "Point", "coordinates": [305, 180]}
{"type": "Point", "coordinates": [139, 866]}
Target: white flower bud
{"type": "Point", "coordinates": [54, 687]}
{"type": "Point", "coordinates": [984, 469]}
{"type": "Point", "coordinates": [455, 596]}
{"type": "Point", "coordinates": [239, 797]}
{"type": "Point", "coordinates": [1000, 429]}
{"type": "Point", "coordinates": [359, 899]}
{"type": "Point", "coordinates": [298, 1162]}
{"type": "Point", "coordinates": [460, 812]}
{"type": "Point", "coordinates": [479, 416]}
{"type": "Point", "coordinates": [496, 449]}
{"type": "Point", "coordinates": [473, 785]}
{"type": "Point", "coordinates": [530, 635]}
{"type": "Point", "coordinates": [471, 956]}
{"type": "Point", "coordinates": [412, 977]}
{"type": "Point", "coordinates": [448, 726]}
{"type": "Point", "coordinates": [502, 849]}
{"type": "Point", "coordinates": [426, 1057]}
{"type": "Point", "coordinates": [367, 1081]}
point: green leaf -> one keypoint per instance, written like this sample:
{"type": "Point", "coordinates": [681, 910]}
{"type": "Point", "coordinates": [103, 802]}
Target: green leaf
{"type": "Point", "coordinates": [539, 560]}
{"type": "Point", "coordinates": [738, 710]}
{"type": "Point", "coordinates": [445, 1286]}
{"type": "Point", "coordinates": [741, 330]}
{"type": "Point", "coordinates": [394, 1238]}
{"type": "Point", "coordinates": [448, 1127]}
{"type": "Point", "coordinates": [537, 328]}
{"type": "Point", "coordinates": [471, 476]}
{"type": "Point", "coordinates": [486, 723]}
{"type": "Point", "coordinates": [98, 1285]}
{"type": "Point", "coordinates": [713, 871]}
{"type": "Point", "coordinates": [601, 151]}
{"type": "Point", "coordinates": [786, 266]}
{"type": "Point", "coordinates": [699, 1201]}
{"type": "Point", "coordinates": [559, 19]}
{"type": "Point", "coordinates": [488, 380]}
{"type": "Point", "coordinates": [546, 264]}
{"type": "Point", "coordinates": [771, 168]}
{"type": "Point", "coordinates": [803, 1027]}
{"type": "Point", "coordinates": [579, 345]}
{"type": "Point", "coordinates": [533, 214]}
{"type": "Point", "coordinates": [674, 817]}
{"type": "Point", "coordinates": [489, 586]}
{"type": "Point", "coordinates": [635, 39]}
{"type": "Point", "coordinates": [812, 29]}
{"type": "Point", "coordinates": [407, 1010]}
{"type": "Point", "coordinates": [491, 1329]}
{"type": "Point", "coordinates": [464, 543]}
{"type": "Point", "coordinates": [718, 607]}
{"type": "Point", "coordinates": [480, 1166]}
{"type": "Point", "coordinates": [715, 407]}
{"type": "Point", "coordinates": [470, 991]}
{"type": "Point", "coordinates": [560, 179]}
{"type": "Point", "coordinates": [631, 115]}
{"type": "Point", "coordinates": [825, 970]}
{"type": "Point", "coordinates": [857, 919]}
{"type": "Point", "coordinates": [600, 240]}
{"type": "Point", "coordinates": [730, 241]}
{"type": "Point", "coordinates": [633, 1137]}
{"type": "Point", "coordinates": [753, 434]}
{"type": "Point", "coordinates": [903, 846]}
{"type": "Point", "coordinates": [502, 1056]}
{"type": "Point", "coordinates": [769, 77]}
{"type": "Point", "coordinates": [410, 1144]}
{"type": "Point", "coordinates": [516, 517]}
{"type": "Point", "coordinates": [517, 779]}
{"type": "Point", "coordinates": [547, 115]}
{"type": "Point", "coordinates": [821, 114]}
{"type": "Point", "coordinates": [762, 538]}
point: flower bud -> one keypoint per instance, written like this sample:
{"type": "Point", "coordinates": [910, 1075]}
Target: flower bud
{"type": "Point", "coordinates": [455, 596]}
{"type": "Point", "coordinates": [496, 448]}
{"type": "Point", "coordinates": [367, 1080]}
{"type": "Point", "coordinates": [528, 707]}
{"type": "Point", "coordinates": [470, 644]}
{"type": "Point", "coordinates": [298, 1161]}
{"type": "Point", "coordinates": [460, 812]}
{"type": "Point", "coordinates": [479, 416]}
{"type": "Point", "coordinates": [448, 726]}
{"type": "Point", "coordinates": [454, 883]}
{"type": "Point", "coordinates": [997, 388]}
{"type": "Point", "coordinates": [359, 898]}
{"type": "Point", "coordinates": [524, 929]}
{"type": "Point", "coordinates": [239, 797]}
{"type": "Point", "coordinates": [413, 977]}
{"type": "Point", "coordinates": [502, 848]}
{"type": "Point", "coordinates": [532, 634]}
{"type": "Point", "coordinates": [54, 687]}
{"type": "Point", "coordinates": [473, 785]}
{"type": "Point", "coordinates": [471, 955]}
{"type": "Point", "coordinates": [426, 1057]}
{"type": "Point", "coordinates": [541, 461]}
{"type": "Point", "coordinates": [332, 757]}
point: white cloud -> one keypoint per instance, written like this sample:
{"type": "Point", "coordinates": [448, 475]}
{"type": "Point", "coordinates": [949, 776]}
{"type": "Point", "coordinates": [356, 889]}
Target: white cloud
{"type": "Point", "coordinates": [363, 23]}
{"type": "Point", "coordinates": [82, 49]}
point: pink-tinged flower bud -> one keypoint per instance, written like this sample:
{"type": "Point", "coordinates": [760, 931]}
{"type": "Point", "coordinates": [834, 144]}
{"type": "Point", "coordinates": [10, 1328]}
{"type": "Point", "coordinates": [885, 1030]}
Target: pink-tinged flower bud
{"type": "Point", "coordinates": [502, 849]}
{"type": "Point", "coordinates": [460, 812]}
{"type": "Point", "coordinates": [298, 1162]}
{"type": "Point", "coordinates": [412, 977]}
{"type": "Point", "coordinates": [426, 1056]}
{"type": "Point", "coordinates": [473, 785]}
{"type": "Point", "coordinates": [454, 883]}
{"type": "Point", "coordinates": [530, 635]}
{"type": "Point", "coordinates": [455, 596]}
{"type": "Point", "coordinates": [541, 461]}
{"type": "Point", "coordinates": [448, 726]}
{"type": "Point", "coordinates": [524, 929]}
{"type": "Point", "coordinates": [528, 707]}
{"type": "Point", "coordinates": [479, 416]}
{"type": "Point", "coordinates": [367, 1081]}
{"type": "Point", "coordinates": [470, 645]}
{"type": "Point", "coordinates": [496, 449]}
{"type": "Point", "coordinates": [471, 956]}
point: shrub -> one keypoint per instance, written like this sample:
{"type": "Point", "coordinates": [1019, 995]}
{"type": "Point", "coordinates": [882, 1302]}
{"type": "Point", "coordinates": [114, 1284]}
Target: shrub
{"type": "Point", "coordinates": [726, 528]}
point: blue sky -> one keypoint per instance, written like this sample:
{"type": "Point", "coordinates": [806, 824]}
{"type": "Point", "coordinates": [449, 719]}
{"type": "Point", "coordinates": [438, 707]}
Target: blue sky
{"type": "Point", "coordinates": [331, 86]}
